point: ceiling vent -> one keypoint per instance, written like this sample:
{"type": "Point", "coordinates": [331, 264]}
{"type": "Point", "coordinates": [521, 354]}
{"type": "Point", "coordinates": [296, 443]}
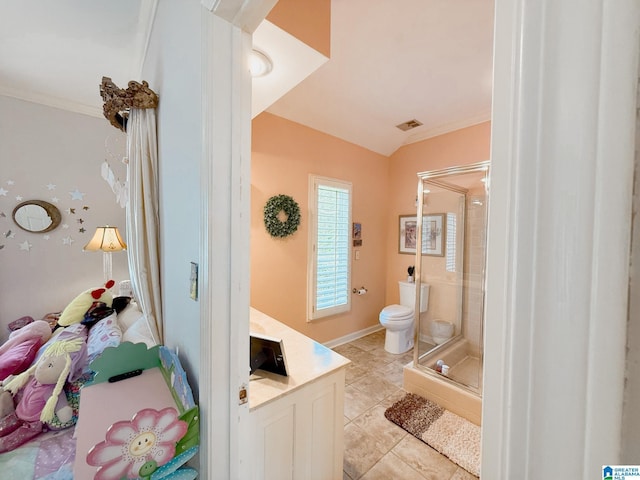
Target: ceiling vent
{"type": "Point", "coordinates": [408, 125]}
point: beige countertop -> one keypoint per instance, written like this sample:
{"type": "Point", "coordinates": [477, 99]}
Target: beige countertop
{"type": "Point", "coordinates": [307, 361]}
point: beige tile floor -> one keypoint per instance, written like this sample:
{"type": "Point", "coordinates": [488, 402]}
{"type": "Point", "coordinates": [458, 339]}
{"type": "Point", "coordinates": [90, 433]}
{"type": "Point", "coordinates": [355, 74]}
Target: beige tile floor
{"type": "Point", "coordinates": [375, 448]}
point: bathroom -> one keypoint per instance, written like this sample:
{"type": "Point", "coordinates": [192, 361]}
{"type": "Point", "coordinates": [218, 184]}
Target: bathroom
{"type": "Point", "coordinates": [384, 189]}
{"type": "Point", "coordinates": [278, 272]}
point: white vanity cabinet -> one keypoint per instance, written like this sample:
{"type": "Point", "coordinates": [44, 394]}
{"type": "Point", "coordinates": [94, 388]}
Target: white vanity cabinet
{"type": "Point", "coordinates": [297, 422]}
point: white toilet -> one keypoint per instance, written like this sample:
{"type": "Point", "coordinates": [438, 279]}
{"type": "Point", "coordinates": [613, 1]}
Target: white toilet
{"type": "Point", "coordinates": [441, 331]}
{"type": "Point", "coordinates": [398, 319]}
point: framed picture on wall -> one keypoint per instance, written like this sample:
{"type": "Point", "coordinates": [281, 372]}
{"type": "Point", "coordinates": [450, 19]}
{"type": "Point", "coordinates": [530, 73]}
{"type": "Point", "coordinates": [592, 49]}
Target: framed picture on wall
{"type": "Point", "coordinates": [433, 234]}
{"type": "Point", "coordinates": [357, 234]}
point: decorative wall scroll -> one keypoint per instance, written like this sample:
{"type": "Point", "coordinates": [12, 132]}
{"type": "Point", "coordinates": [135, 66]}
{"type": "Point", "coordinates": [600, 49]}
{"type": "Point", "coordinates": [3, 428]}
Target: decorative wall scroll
{"type": "Point", "coordinates": [357, 234]}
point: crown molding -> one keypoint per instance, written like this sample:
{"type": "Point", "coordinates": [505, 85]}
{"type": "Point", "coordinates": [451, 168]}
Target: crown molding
{"type": "Point", "coordinates": [49, 101]}
{"type": "Point", "coordinates": [448, 127]}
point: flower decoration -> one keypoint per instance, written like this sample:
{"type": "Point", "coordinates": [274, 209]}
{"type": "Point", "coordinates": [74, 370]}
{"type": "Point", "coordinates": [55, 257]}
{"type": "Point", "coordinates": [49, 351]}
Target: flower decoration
{"type": "Point", "coordinates": [136, 448]}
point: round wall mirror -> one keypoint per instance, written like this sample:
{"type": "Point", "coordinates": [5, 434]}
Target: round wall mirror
{"type": "Point", "coordinates": [36, 216]}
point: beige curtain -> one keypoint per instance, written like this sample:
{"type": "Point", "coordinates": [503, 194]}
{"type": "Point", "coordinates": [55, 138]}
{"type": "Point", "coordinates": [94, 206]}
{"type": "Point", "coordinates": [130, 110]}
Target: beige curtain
{"type": "Point", "coordinates": [143, 227]}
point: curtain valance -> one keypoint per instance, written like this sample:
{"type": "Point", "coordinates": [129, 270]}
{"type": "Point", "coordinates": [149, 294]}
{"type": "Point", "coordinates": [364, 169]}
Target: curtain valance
{"type": "Point", "coordinates": [118, 101]}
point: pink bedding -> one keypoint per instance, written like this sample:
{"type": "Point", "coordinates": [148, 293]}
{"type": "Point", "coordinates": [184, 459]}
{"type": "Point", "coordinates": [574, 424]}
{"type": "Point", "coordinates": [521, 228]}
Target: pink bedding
{"type": "Point", "coordinates": [49, 456]}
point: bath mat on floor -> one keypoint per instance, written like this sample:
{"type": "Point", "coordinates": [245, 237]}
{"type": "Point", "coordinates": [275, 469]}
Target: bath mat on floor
{"type": "Point", "coordinates": [451, 435]}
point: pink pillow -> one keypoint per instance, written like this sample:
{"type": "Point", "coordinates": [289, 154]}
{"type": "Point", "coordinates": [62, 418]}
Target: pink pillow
{"type": "Point", "coordinates": [18, 358]}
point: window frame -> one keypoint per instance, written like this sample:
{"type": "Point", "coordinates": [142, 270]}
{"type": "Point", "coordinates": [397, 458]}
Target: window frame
{"type": "Point", "coordinates": [316, 181]}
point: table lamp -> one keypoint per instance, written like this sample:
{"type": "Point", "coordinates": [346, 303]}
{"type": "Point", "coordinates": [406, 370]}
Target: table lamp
{"type": "Point", "coordinates": [108, 240]}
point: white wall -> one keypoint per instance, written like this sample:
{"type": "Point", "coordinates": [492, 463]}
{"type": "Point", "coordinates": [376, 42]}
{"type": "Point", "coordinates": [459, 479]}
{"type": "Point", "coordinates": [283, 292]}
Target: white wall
{"type": "Point", "coordinates": [40, 145]}
{"type": "Point", "coordinates": [172, 68]}
{"type": "Point", "coordinates": [197, 64]}
{"type": "Point", "coordinates": [631, 414]}
{"type": "Point", "coordinates": [565, 91]}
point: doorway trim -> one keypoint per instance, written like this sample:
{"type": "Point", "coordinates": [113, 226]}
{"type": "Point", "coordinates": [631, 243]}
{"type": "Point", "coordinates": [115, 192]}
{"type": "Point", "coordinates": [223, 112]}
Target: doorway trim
{"type": "Point", "coordinates": [565, 78]}
{"type": "Point", "coordinates": [225, 168]}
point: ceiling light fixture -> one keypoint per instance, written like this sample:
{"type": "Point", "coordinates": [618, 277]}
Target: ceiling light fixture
{"type": "Point", "coordinates": [259, 63]}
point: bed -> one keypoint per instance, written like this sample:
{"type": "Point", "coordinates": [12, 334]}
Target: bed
{"type": "Point", "coordinates": [115, 345]}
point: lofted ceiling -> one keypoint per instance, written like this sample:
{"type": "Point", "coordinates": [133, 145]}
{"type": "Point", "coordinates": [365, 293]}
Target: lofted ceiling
{"type": "Point", "coordinates": [428, 60]}
{"type": "Point", "coordinates": [395, 61]}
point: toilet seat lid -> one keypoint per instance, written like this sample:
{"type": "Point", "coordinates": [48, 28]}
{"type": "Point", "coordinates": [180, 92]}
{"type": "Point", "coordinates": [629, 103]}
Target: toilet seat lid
{"type": "Point", "coordinates": [391, 312]}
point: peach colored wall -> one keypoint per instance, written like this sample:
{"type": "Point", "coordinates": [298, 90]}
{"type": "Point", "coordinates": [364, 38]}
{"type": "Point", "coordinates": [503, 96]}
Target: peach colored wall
{"type": "Point", "coordinates": [462, 147]}
{"type": "Point", "coordinates": [309, 21]}
{"type": "Point", "coordinates": [284, 153]}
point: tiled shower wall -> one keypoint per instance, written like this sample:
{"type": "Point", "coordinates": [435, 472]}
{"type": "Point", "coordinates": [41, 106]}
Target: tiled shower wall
{"type": "Point", "coordinates": [474, 266]}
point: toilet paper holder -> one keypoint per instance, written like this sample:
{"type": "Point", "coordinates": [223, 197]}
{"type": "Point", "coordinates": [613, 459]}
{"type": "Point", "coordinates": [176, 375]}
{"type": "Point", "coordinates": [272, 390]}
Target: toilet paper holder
{"type": "Point", "coordinates": [359, 291]}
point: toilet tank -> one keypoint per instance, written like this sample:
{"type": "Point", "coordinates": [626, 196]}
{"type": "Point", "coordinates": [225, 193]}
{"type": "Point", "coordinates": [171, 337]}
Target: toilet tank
{"type": "Point", "coordinates": [408, 295]}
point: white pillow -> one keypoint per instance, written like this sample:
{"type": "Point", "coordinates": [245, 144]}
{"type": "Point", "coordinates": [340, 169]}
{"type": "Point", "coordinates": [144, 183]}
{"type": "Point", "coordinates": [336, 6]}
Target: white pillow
{"type": "Point", "coordinates": [129, 316]}
{"type": "Point", "coordinates": [124, 289]}
{"type": "Point", "coordinates": [139, 333]}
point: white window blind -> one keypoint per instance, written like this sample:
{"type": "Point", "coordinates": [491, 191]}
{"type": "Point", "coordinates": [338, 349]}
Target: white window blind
{"type": "Point", "coordinates": [450, 251]}
{"type": "Point", "coordinates": [330, 262]}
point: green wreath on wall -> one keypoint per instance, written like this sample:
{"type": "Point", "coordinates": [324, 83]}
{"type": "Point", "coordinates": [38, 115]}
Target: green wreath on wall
{"type": "Point", "coordinates": [272, 222]}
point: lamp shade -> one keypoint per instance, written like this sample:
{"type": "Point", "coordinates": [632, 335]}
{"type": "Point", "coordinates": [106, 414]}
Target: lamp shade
{"type": "Point", "coordinates": [107, 239]}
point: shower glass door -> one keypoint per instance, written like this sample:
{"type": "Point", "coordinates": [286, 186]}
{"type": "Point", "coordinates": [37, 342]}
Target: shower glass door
{"type": "Point", "coordinates": [449, 335]}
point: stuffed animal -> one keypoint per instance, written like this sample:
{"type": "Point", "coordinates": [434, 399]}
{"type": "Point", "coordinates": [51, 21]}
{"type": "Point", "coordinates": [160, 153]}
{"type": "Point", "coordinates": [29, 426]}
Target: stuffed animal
{"type": "Point", "coordinates": [39, 393]}
{"type": "Point", "coordinates": [75, 311]}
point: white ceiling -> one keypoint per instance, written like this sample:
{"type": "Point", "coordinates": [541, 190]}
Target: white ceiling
{"type": "Point", "coordinates": [56, 52]}
{"type": "Point", "coordinates": [391, 61]}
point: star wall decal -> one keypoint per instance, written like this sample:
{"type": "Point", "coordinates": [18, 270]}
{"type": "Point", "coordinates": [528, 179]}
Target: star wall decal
{"type": "Point", "coordinates": [10, 234]}
{"type": "Point", "coordinates": [77, 195]}
{"type": "Point", "coordinates": [80, 221]}
{"type": "Point", "coordinates": [10, 182]}
{"type": "Point", "coordinates": [55, 200]}
{"type": "Point", "coordinates": [3, 215]}
{"type": "Point", "coordinates": [81, 230]}
{"type": "Point", "coordinates": [46, 237]}
{"type": "Point", "coordinates": [65, 225]}
{"type": "Point", "coordinates": [25, 246]}
{"type": "Point", "coordinates": [19, 198]}
{"type": "Point", "coordinates": [1, 247]}
{"type": "Point", "coordinates": [51, 186]}
{"type": "Point", "coordinates": [71, 211]}
{"type": "Point", "coordinates": [3, 192]}
{"type": "Point", "coordinates": [85, 208]}
{"type": "Point", "coordinates": [67, 240]}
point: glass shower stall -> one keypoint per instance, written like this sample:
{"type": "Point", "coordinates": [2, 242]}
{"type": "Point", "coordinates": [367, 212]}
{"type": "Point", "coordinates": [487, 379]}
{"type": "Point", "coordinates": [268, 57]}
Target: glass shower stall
{"type": "Point", "coordinates": [452, 230]}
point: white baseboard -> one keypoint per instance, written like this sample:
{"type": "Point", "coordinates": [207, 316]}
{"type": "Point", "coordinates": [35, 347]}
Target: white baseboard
{"type": "Point", "coordinates": [352, 336]}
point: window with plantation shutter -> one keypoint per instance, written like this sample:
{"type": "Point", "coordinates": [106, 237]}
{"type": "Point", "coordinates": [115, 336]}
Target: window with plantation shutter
{"type": "Point", "coordinates": [329, 247]}
{"type": "Point", "coordinates": [450, 250]}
